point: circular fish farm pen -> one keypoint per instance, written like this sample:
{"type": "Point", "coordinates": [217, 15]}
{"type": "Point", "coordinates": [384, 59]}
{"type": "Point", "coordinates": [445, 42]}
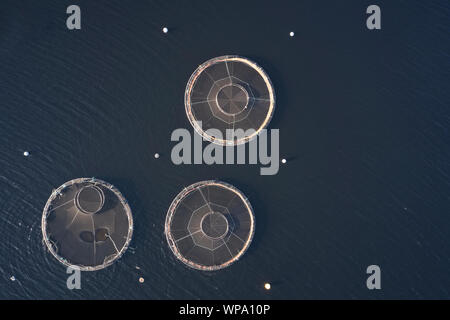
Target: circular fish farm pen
{"type": "Point", "coordinates": [209, 225]}
{"type": "Point", "coordinates": [229, 92]}
{"type": "Point", "coordinates": [87, 224]}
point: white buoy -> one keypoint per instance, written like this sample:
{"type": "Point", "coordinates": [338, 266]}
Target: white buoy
{"type": "Point", "coordinates": [165, 30]}
{"type": "Point", "coordinates": [292, 33]}
{"type": "Point", "coordinates": [156, 155]}
{"type": "Point", "coordinates": [141, 280]}
{"type": "Point", "coordinates": [26, 153]}
{"type": "Point", "coordinates": [283, 160]}
{"type": "Point", "coordinates": [267, 286]}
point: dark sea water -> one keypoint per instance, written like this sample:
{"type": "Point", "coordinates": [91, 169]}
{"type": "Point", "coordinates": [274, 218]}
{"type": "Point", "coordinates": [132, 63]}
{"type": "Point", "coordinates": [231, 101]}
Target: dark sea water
{"type": "Point", "coordinates": [364, 119]}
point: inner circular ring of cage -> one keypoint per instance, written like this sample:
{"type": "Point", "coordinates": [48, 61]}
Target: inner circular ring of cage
{"type": "Point", "coordinates": [227, 234]}
{"type": "Point", "coordinates": [203, 106]}
{"type": "Point", "coordinates": [197, 232]}
{"type": "Point", "coordinates": [218, 111]}
{"type": "Point", "coordinates": [232, 99]}
{"type": "Point", "coordinates": [215, 225]}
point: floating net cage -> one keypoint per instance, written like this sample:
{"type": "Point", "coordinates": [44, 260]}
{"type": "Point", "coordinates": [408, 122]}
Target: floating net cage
{"type": "Point", "coordinates": [229, 92]}
{"type": "Point", "coordinates": [87, 224]}
{"type": "Point", "coordinates": [209, 225]}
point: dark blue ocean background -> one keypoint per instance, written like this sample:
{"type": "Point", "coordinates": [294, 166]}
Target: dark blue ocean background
{"type": "Point", "coordinates": [364, 119]}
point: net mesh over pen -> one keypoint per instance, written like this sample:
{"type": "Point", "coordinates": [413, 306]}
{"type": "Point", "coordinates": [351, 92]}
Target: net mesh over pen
{"type": "Point", "coordinates": [87, 224]}
{"type": "Point", "coordinates": [209, 225]}
{"type": "Point", "coordinates": [229, 92]}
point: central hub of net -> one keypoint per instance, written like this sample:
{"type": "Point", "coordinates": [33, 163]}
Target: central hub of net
{"type": "Point", "coordinates": [90, 199]}
{"type": "Point", "coordinates": [232, 99]}
{"type": "Point", "coordinates": [215, 225]}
